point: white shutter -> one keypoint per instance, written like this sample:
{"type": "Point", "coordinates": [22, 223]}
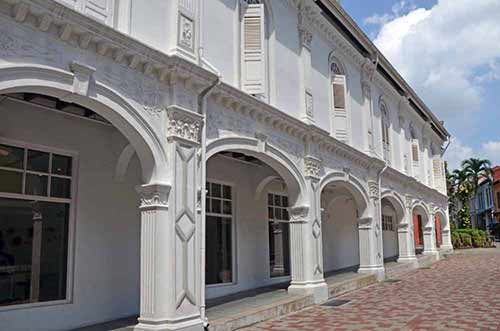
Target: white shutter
{"type": "Point", "coordinates": [339, 118]}
{"type": "Point", "coordinates": [253, 65]}
{"type": "Point", "coordinates": [101, 10]}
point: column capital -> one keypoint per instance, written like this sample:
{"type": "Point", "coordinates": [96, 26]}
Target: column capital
{"type": "Point", "coordinates": [312, 166]}
{"type": "Point", "coordinates": [298, 214]}
{"type": "Point", "coordinates": [184, 125]}
{"type": "Point", "coordinates": [365, 222]}
{"type": "Point", "coordinates": [373, 189]}
{"type": "Point", "coordinates": [154, 196]}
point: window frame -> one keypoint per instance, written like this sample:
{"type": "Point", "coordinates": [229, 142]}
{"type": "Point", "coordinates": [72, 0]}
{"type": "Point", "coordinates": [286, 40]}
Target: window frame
{"type": "Point", "coordinates": [339, 78]}
{"type": "Point", "coordinates": [71, 221]}
{"type": "Point", "coordinates": [234, 251]}
{"type": "Point", "coordinates": [386, 132]}
{"type": "Point", "coordinates": [281, 194]}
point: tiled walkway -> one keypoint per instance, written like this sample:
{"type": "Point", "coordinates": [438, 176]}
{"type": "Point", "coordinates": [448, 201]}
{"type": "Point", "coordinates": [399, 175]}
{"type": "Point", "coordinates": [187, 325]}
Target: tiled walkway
{"type": "Point", "coordinates": [459, 293]}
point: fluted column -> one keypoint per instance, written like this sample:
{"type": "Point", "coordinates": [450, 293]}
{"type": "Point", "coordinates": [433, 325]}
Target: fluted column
{"type": "Point", "coordinates": [371, 246]}
{"type": "Point", "coordinates": [170, 235]}
{"type": "Point", "coordinates": [446, 234]}
{"type": "Point", "coordinates": [367, 73]}
{"type": "Point", "coordinates": [307, 99]}
{"type": "Point", "coordinates": [306, 240]}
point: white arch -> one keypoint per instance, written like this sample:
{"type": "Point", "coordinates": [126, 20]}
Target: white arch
{"type": "Point", "coordinates": [397, 203]}
{"type": "Point", "coordinates": [424, 211]}
{"type": "Point", "coordinates": [270, 155]}
{"type": "Point", "coordinates": [103, 100]}
{"type": "Point", "coordinates": [353, 185]}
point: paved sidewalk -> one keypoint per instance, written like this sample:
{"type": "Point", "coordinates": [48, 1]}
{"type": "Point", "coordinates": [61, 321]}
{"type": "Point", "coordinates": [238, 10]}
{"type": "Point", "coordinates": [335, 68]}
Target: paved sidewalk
{"type": "Point", "coordinates": [459, 293]}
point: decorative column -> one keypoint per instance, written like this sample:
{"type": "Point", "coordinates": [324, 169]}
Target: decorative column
{"type": "Point", "coordinates": [170, 245]}
{"type": "Point", "coordinates": [411, 229]}
{"type": "Point", "coordinates": [404, 145]}
{"type": "Point", "coordinates": [446, 234]}
{"type": "Point", "coordinates": [307, 101]}
{"type": "Point", "coordinates": [306, 241]}
{"type": "Point", "coordinates": [367, 73]}
{"type": "Point", "coordinates": [405, 238]}
{"type": "Point", "coordinates": [430, 236]}
{"type": "Point", "coordinates": [371, 246]}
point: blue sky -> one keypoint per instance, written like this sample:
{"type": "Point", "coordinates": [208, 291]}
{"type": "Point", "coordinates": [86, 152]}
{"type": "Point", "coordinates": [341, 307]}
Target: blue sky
{"type": "Point", "coordinates": [449, 52]}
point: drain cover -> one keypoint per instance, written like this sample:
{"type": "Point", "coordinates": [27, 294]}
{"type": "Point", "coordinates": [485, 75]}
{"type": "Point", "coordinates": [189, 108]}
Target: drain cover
{"type": "Point", "coordinates": [392, 280]}
{"type": "Point", "coordinates": [335, 303]}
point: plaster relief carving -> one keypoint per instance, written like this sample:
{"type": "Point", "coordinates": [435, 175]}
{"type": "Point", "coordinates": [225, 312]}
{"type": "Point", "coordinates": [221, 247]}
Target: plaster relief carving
{"type": "Point", "coordinates": [184, 124]}
{"type": "Point", "coordinates": [373, 189]}
{"type": "Point", "coordinates": [83, 76]}
{"type": "Point", "coordinates": [154, 196]}
{"type": "Point", "coordinates": [298, 214]}
{"type": "Point", "coordinates": [312, 167]}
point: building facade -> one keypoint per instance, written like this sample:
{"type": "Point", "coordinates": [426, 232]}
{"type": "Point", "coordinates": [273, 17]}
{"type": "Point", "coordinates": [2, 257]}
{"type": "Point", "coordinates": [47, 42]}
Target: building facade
{"type": "Point", "coordinates": [484, 206]}
{"type": "Point", "coordinates": [153, 157]}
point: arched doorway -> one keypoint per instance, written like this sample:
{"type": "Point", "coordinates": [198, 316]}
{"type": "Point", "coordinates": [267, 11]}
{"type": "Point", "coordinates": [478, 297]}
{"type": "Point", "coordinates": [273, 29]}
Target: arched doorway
{"type": "Point", "coordinates": [72, 232]}
{"type": "Point", "coordinates": [247, 230]}
{"type": "Point", "coordinates": [420, 220]}
{"type": "Point", "coordinates": [391, 220]}
{"type": "Point", "coordinates": [343, 204]}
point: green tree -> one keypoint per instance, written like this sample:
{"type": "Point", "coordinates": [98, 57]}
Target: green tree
{"type": "Point", "coordinates": [462, 190]}
{"type": "Point", "coordinates": [475, 169]}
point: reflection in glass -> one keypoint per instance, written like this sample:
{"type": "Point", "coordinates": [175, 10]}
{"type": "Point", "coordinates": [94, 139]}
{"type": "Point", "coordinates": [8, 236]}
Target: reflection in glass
{"type": "Point", "coordinates": [36, 184]}
{"type": "Point", "coordinates": [33, 251]}
{"type": "Point", "coordinates": [61, 165]}
{"type": "Point", "coordinates": [11, 157]}
{"type": "Point", "coordinates": [60, 187]}
{"type": "Point", "coordinates": [11, 181]}
{"type": "Point", "coordinates": [38, 161]}
{"type": "Point", "coordinates": [218, 250]}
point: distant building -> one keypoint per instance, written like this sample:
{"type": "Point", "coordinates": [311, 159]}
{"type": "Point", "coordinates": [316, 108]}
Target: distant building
{"type": "Point", "coordinates": [483, 206]}
{"type": "Point", "coordinates": [496, 193]}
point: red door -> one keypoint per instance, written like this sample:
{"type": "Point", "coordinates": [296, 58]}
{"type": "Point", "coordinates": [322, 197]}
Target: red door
{"type": "Point", "coordinates": [416, 230]}
{"type": "Point", "coordinates": [438, 231]}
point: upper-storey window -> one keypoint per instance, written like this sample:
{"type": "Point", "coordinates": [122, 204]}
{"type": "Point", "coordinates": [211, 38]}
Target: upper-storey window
{"type": "Point", "coordinates": [339, 114]}
{"type": "Point", "coordinates": [386, 141]}
{"type": "Point", "coordinates": [415, 152]}
{"type": "Point", "coordinates": [100, 10]}
{"type": "Point", "coordinates": [253, 57]}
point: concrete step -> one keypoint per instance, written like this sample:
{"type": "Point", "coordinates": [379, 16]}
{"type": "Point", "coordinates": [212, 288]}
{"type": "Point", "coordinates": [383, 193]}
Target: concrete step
{"type": "Point", "coordinates": [253, 314]}
{"type": "Point", "coordinates": [336, 289]}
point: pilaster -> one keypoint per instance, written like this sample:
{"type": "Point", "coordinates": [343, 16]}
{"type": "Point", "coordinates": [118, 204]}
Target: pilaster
{"type": "Point", "coordinates": [371, 255]}
{"type": "Point", "coordinates": [430, 247]}
{"type": "Point", "coordinates": [367, 72]}
{"type": "Point", "coordinates": [405, 237]}
{"type": "Point", "coordinates": [306, 239]}
{"type": "Point", "coordinates": [307, 99]}
{"type": "Point", "coordinates": [170, 238]}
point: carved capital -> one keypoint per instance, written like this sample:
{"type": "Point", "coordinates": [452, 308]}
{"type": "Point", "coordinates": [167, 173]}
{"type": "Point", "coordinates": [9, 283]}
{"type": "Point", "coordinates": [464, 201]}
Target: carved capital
{"type": "Point", "coordinates": [298, 214]}
{"type": "Point", "coordinates": [368, 70]}
{"type": "Point", "coordinates": [306, 36]}
{"type": "Point", "coordinates": [373, 189]}
{"type": "Point", "coordinates": [366, 89]}
{"type": "Point", "coordinates": [183, 124]}
{"type": "Point", "coordinates": [312, 167]}
{"type": "Point", "coordinates": [408, 201]}
{"type": "Point", "coordinates": [365, 222]}
{"type": "Point", "coordinates": [154, 196]}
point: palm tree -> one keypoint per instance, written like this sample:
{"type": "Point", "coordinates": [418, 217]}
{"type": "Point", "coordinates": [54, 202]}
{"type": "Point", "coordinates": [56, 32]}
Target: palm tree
{"type": "Point", "coordinates": [476, 169]}
{"type": "Point", "coordinates": [461, 188]}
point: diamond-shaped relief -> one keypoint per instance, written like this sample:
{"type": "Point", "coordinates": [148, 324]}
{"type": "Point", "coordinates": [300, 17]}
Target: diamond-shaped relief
{"type": "Point", "coordinates": [185, 227]}
{"type": "Point", "coordinates": [316, 229]}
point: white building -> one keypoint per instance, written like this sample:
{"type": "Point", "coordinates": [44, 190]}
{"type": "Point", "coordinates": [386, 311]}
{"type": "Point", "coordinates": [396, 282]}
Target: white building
{"type": "Point", "coordinates": [153, 156]}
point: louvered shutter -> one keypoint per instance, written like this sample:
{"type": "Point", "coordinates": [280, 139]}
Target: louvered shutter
{"type": "Point", "coordinates": [414, 150]}
{"type": "Point", "coordinates": [101, 10]}
{"type": "Point", "coordinates": [253, 66]}
{"type": "Point", "coordinates": [339, 109]}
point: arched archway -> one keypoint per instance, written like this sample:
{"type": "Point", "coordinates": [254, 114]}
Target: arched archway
{"type": "Point", "coordinates": [102, 100]}
{"type": "Point", "coordinates": [257, 185]}
{"type": "Point", "coordinates": [394, 229]}
{"type": "Point", "coordinates": [75, 159]}
{"type": "Point", "coordinates": [345, 210]}
{"type": "Point", "coordinates": [420, 217]}
{"type": "Point", "coordinates": [442, 230]}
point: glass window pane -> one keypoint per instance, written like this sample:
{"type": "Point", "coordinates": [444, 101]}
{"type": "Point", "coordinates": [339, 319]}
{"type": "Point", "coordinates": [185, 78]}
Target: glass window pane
{"type": "Point", "coordinates": [286, 217]}
{"type": "Point", "coordinates": [36, 184]}
{"type": "Point", "coordinates": [219, 260]}
{"type": "Point", "coordinates": [11, 157]}
{"type": "Point", "coordinates": [207, 204]}
{"type": "Point", "coordinates": [277, 200]}
{"type": "Point", "coordinates": [279, 249]}
{"type": "Point", "coordinates": [226, 207]}
{"type": "Point", "coordinates": [277, 213]}
{"type": "Point", "coordinates": [270, 211]}
{"type": "Point", "coordinates": [209, 189]}
{"type": "Point", "coordinates": [216, 190]}
{"type": "Point", "coordinates": [338, 96]}
{"type": "Point", "coordinates": [285, 201]}
{"type": "Point", "coordinates": [60, 187]}
{"type": "Point", "coordinates": [270, 199]}
{"type": "Point", "coordinates": [227, 192]}
{"type": "Point", "coordinates": [216, 206]}
{"type": "Point", "coordinates": [16, 249]}
{"type": "Point", "coordinates": [61, 165]}
{"type": "Point", "coordinates": [54, 248]}
{"type": "Point", "coordinates": [11, 181]}
{"type": "Point", "coordinates": [32, 230]}
{"type": "Point", "coordinates": [38, 161]}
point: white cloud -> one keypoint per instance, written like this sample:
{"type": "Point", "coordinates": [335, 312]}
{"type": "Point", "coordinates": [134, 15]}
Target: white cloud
{"type": "Point", "coordinates": [446, 53]}
{"type": "Point", "coordinates": [458, 151]}
{"type": "Point", "coordinates": [400, 8]}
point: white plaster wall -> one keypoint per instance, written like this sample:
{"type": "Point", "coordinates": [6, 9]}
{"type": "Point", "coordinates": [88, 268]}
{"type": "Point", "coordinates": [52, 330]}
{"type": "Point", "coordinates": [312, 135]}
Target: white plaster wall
{"type": "Point", "coordinates": [250, 222]}
{"type": "Point", "coordinates": [106, 268]}
{"type": "Point", "coordinates": [340, 235]}
{"type": "Point", "coordinates": [321, 83]}
{"type": "Point", "coordinates": [390, 238]}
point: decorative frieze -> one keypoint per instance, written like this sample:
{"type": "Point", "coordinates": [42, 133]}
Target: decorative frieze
{"type": "Point", "coordinates": [184, 124]}
{"type": "Point", "coordinates": [373, 189]}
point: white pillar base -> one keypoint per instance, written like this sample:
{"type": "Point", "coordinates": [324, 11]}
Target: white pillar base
{"type": "Point", "coordinates": [446, 248]}
{"type": "Point", "coordinates": [195, 324]}
{"type": "Point", "coordinates": [378, 271]}
{"type": "Point", "coordinates": [318, 289]}
{"type": "Point", "coordinates": [407, 259]}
